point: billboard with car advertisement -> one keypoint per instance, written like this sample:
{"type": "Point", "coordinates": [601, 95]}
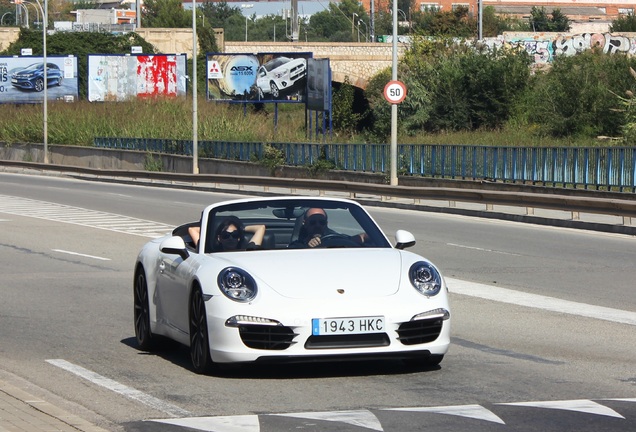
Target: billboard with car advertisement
{"type": "Point", "coordinates": [261, 77]}
{"type": "Point", "coordinates": [22, 79]}
{"type": "Point", "coordinates": [115, 78]}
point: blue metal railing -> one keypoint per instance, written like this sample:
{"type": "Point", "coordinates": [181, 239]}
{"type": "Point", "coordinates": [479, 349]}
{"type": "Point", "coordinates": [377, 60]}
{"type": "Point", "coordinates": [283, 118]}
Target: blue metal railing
{"type": "Point", "coordinates": [598, 167]}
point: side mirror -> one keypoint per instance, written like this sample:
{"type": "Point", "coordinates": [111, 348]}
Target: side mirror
{"type": "Point", "coordinates": [404, 239]}
{"type": "Point", "coordinates": [175, 246]}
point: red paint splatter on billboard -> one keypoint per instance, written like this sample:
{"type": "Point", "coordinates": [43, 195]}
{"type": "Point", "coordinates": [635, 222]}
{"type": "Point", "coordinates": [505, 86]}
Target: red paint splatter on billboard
{"type": "Point", "coordinates": [156, 76]}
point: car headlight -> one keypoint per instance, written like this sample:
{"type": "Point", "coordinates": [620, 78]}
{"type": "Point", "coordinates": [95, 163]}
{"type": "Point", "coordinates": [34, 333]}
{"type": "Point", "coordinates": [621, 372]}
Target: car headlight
{"type": "Point", "coordinates": [237, 284]}
{"type": "Point", "coordinates": [425, 278]}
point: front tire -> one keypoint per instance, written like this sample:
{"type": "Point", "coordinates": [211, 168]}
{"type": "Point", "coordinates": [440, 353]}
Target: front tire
{"type": "Point", "coordinates": [274, 90]}
{"type": "Point", "coordinates": [39, 85]}
{"type": "Point", "coordinates": [142, 312]}
{"type": "Point", "coordinates": [199, 340]}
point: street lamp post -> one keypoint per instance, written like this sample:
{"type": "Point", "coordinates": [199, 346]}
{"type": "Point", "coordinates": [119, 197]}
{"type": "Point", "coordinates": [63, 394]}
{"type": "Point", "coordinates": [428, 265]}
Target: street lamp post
{"type": "Point", "coordinates": [195, 116]}
{"type": "Point", "coordinates": [394, 77]}
{"type": "Point", "coordinates": [366, 31]}
{"type": "Point", "coordinates": [353, 20]}
{"type": "Point", "coordinates": [246, 6]}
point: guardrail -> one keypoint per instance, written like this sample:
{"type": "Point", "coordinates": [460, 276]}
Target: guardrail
{"type": "Point", "coordinates": [624, 208]}
{"type": "Point", "coordinates": [608, 168]}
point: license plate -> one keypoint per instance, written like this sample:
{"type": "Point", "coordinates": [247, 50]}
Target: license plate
{"type": "Point", "coordinates": [13, 80]}
{"type": "Point", "coordinates": [353, 325]}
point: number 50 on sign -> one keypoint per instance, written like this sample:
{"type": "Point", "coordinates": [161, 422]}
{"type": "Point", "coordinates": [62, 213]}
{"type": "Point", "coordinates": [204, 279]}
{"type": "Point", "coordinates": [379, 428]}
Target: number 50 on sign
{"type": "Point", "coordinates": [394, 92]}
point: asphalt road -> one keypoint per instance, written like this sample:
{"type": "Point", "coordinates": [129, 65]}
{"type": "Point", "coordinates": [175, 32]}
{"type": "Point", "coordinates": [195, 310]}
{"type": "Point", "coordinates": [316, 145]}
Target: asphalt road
{"type": "Point", "coordinates": [556, 355]}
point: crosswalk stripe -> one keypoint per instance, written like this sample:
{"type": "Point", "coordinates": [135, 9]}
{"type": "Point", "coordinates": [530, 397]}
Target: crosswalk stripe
{"type": "Point", "coordinates": [585, 406]}
{"type": "Point", "coordinates": [470, 411]}
{"type": "Point", "coordinates": [83, 217]}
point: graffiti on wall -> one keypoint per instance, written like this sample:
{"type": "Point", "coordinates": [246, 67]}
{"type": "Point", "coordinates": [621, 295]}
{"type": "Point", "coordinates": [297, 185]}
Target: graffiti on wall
{"type": "Point", "coordinates": [545, 48]}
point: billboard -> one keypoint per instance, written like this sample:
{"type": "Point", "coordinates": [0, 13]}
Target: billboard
{"type": "Point", "coordinates": [318, 85]}
{"type": "Point", "coordinates": [123, 77]}
{"type": "Point", "coordinates": [261, 77]}
{"type": "Point", "coordinates": [22, 79]}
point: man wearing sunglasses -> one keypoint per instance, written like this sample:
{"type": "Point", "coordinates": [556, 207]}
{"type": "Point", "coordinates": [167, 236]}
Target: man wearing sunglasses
{"type": "Point", "coordinates": [315, 227]}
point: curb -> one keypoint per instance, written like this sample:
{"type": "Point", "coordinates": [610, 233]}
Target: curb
{"type": "Point", "coordinates": [28, 413]}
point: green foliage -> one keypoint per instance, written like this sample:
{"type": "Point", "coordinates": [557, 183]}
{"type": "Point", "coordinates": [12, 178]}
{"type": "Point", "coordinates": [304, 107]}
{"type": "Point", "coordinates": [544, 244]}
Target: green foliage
{"type": "Point", "coordinates": [322, 164]}
{"type": "Point", "coordinates": [345, 119]}
{"type": "Point", "coordinates": [629, 109]}
{"type": "Point", "coordinates": [452, 87]}
{"type": "Point", "coordinates": [541, 22]}
{"type": "Point", "coordinates": [153, 164]}
{"type": "Point", "coordinates": [165, 14]}
{"type": "Point", "coordinates": [272, 158]}
{"type": "Point", "coordinates": [455, 23]}
{"type": "Point", "coordinates": [80, 44]}
{"type": "Point", "coordinates": [576, 96]}
{"type": "Point", "coordinates": [207, 40]}
{"type": "Point", "coordinates": [624, 23]}
{"type": "Point", "coordinates": [339, 23]}
{"type": "Point", "coordinates": [494, 24]}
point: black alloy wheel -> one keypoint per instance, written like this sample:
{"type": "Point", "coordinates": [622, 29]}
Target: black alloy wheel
{"type": "Point", "coordinates": [142, 312]}
{"type": "Point", "coordinates": [199, 341]}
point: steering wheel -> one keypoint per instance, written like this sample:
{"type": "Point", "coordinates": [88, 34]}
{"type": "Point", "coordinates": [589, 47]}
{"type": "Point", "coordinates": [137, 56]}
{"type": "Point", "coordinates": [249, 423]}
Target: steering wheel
{"type": "Point", "coordinates": [337, 240]}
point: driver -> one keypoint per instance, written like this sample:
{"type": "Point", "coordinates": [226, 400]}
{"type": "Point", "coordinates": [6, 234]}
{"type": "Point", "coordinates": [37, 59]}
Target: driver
{"type": "Point", "coordinates": [314, 227]}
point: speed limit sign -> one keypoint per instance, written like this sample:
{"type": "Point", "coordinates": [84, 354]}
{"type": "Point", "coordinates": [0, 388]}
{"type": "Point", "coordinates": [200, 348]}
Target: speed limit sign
{"type": "Point", "coordinates": [394, 92]}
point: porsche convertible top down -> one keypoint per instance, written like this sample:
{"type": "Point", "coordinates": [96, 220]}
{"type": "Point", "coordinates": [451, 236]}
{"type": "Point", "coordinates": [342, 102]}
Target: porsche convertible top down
{"type": "Point", "coordinates": [353, 296]}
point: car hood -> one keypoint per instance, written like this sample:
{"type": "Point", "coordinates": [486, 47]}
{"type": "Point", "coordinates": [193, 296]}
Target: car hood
{"type": "Point", "coordinates": [321, 273]}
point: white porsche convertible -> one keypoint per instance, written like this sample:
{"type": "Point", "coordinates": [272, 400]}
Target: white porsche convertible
{"type": "Point", "coordinates": [290, 279]}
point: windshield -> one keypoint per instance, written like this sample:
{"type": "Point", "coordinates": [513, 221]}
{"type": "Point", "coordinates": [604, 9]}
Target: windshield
{"type": "Point", "coordinates": [285, 224]}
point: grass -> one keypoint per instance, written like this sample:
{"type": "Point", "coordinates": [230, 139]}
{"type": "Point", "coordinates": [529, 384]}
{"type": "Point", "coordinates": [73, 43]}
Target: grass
{"type": "Point", "coordinates": [78, 123]}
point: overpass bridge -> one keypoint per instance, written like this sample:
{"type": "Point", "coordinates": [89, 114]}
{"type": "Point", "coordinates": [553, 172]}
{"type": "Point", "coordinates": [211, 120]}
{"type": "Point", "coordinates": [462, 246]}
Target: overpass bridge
{"type": "Point", "coordinates": [357, 61]}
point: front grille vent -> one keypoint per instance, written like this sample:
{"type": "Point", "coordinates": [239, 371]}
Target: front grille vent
{"type": "Point", "coordinates": [420, 331]}
{"type": "Point", "coordinates": [348, 341]}
{"type": "Point", "coordinates": [266, 337]}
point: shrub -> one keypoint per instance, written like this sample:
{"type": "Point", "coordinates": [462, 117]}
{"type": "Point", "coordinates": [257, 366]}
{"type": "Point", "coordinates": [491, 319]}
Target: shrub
{"type": "Point", "coordinates": [576, 96]}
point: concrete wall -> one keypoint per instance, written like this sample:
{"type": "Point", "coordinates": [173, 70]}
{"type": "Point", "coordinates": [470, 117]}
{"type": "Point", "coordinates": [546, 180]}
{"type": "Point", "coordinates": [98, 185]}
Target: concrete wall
{"type": "Point", "coordinates": [175, 40]}
{"type": "Point", "coordinates": [8, 35]}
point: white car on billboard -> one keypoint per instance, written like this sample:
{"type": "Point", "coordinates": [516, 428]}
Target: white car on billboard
{"type": "Point", "coordinates": [278, 74]}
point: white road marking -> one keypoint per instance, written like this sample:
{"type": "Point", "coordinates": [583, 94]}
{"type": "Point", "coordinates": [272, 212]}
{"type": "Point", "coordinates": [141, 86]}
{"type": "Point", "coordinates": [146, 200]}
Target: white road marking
{"type": "Point", "coordinates": [362, 418]}
{"type": "Point", "coordinates": [80, 254]}
{"type": "Point", "coordinates": [585, 406]}
{"type": "Point", "coordinates": [536, 301]}
{"type": "Point", "coordinates": [366, 419]}
{"type": "Point", "coordinates": [482, 249]}
{"type": "Point", "coordinates": [83, 217]}
{"type": "Point", "coordinates": [471, 411]}
{"type": "Point", "coordinates": [129, 392]}
{"type": "Point", "coordinates": [243, 423]}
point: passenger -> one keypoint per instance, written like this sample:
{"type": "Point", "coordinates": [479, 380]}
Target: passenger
{"type": "Point", "coordinates": [230, 235]}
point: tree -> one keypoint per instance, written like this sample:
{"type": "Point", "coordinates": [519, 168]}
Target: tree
{"type": "Point", "coordinates": [455, 23]}
{"type": "Point", "coordinates": [541, 22]}
{"type": "Point", "coordinates": [165, 14]}
{"type": "Point", "coordinates": [493, 24]}
{"type": "Point", "coordinates": [624, 23]}
{"type": "Point", "coordinates": [217, 14]}
{"type": "Point", "coordinates": [339, 23]}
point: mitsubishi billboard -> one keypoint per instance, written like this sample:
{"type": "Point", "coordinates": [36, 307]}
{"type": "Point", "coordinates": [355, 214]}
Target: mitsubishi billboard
{"type": "Point", "coordinates": [260, 77]}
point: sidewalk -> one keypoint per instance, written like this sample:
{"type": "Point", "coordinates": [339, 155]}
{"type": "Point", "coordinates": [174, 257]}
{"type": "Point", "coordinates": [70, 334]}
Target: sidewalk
{"type": "Point", "coordinates": [22, 412]}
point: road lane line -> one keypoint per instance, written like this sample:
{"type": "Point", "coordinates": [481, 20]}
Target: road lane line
{"type": "Point", "coordinates": [482, 249]}
{"type": "Point", "coordinates": [504, 295]}
{"type": "Point", "coordinates": [81, 254]}
{"type": "Point", "coordinates": [129, 392]}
